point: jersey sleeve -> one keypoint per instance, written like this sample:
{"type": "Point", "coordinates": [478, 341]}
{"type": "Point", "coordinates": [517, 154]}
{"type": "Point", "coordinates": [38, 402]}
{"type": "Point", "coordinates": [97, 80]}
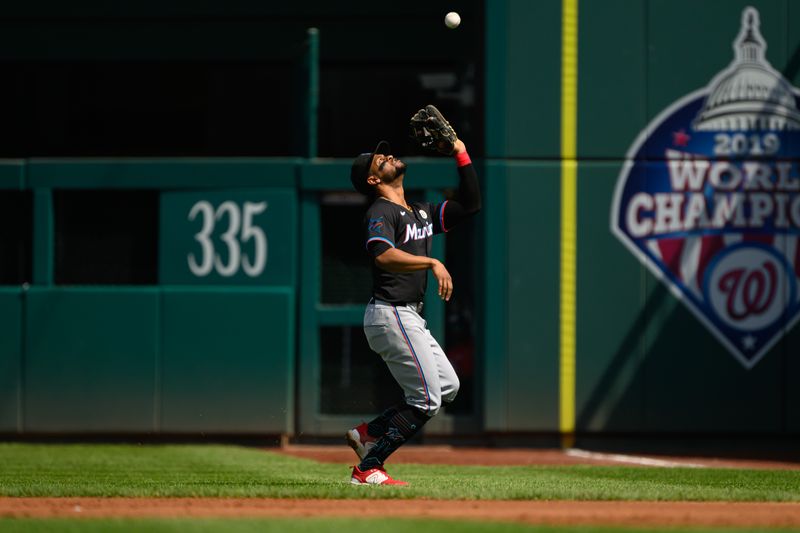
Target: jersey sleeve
{"type": "Point", "coordinates": [463, 205]}
{"type": "Point", "coordinates": [437, 213]}
{"type": "Point", "coordinates": [379, 232]}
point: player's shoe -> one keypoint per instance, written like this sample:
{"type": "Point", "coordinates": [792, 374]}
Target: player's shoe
{"type": "Point", "coordinates": [373, 476]}
{"type": "Point", "coordinates": [361, 441]}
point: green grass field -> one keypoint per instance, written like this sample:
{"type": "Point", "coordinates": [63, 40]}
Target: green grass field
{"type": "Point", "coordinates": [130, 470]}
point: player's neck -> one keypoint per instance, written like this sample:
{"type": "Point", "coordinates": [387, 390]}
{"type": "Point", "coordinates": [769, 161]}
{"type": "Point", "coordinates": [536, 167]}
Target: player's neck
{"type": "Point", "coordinates": [394, 194]}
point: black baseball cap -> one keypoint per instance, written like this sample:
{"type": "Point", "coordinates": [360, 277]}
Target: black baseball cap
{"type": "Point", "coordinates": [360, 169]}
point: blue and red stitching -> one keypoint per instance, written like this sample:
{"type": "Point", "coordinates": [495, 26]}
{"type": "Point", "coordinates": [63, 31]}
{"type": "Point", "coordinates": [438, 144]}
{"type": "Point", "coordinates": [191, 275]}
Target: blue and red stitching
{"type": "Point", "coordinates": [441, 216]}
{"type": "Point", "coordinates": [416, 360]}
{"type": "Point", "coordinates": [387, 241]}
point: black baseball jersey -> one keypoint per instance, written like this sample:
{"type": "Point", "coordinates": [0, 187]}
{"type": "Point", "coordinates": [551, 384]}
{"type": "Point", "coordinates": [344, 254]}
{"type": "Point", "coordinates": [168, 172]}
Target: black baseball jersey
{"type": "Point", "coordinates": [387, 225]}
{"type": "Point", "coordinates": [390, 225]}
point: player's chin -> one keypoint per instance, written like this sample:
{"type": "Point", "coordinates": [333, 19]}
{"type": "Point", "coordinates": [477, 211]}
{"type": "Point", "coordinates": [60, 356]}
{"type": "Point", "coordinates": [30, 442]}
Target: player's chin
{"type": "Point", "coordinates": [400, 167]}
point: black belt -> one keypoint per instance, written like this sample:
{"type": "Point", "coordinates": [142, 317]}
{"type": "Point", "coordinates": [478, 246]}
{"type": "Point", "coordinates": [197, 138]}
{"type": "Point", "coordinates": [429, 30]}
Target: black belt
{"type": "Point", "coordinates": [415, 306]}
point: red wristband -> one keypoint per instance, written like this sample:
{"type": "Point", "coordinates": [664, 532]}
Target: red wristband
{"type": "Point", "coordinates": [462, 159]}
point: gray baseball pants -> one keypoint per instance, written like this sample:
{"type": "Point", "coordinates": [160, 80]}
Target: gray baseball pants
{"type": "Point", "coordinates": [417, 362]}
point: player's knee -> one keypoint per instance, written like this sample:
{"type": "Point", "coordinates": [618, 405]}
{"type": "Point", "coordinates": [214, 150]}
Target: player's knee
{"type": "Point", "coordinates": [434, 402]}
{"type": "Point", "coordinates": [451, 391]}
{"type": "Point", "coordinates": [427, 403]}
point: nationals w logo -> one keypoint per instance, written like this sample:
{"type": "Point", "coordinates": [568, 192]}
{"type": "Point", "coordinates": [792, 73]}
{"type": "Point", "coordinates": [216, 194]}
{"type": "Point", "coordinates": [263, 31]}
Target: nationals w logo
{"type": "Point", "coordinates": [748, 293]}
{"type": "Point", "coordinates": [709, 200]}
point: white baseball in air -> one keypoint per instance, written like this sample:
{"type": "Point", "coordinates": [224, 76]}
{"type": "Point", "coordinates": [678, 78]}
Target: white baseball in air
{"type": "Point", "coordinates": [452, 20]}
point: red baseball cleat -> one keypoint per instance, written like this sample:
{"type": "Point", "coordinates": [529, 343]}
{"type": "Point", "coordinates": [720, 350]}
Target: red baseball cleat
{"type": "Point", "coordinates": [373, 476]}
{"type": "Point", "coordinates": [360, 440]}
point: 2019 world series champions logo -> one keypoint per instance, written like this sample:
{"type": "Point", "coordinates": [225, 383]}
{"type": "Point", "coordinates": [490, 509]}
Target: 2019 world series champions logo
{"type": "Point", "coordinates": [709, 200]}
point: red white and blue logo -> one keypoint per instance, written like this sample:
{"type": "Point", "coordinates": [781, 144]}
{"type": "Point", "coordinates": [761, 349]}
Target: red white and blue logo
{"type": "Point", "coordinates": [709, 200]}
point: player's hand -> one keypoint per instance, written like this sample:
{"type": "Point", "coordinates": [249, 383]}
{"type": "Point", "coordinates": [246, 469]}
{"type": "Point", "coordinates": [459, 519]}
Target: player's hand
{"type": "Point", "coordinates": [445, 281]}
{"type": "Point", "coordinates": [459, 147]}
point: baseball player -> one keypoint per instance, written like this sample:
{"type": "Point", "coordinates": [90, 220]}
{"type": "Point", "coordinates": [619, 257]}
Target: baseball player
{"type": "Point", "coordinates": [398, 236]}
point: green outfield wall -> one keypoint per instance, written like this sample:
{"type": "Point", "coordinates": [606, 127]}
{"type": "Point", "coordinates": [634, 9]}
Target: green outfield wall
{"type": "Point", "coordinates": [181, 353]}
{"type": "Point", "coordinates": [643, 361]}
{"type": "Point", "coordinates": [224, 295]}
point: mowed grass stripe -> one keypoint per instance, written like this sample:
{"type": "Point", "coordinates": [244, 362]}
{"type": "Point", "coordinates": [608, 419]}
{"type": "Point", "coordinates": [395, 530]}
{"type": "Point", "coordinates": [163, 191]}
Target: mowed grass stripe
{"type": "Point", "coordinates": [219, 471]}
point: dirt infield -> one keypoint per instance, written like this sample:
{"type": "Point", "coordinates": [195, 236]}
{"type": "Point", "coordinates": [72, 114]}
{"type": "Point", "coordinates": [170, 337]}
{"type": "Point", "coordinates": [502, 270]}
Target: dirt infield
{"type": "Point", "coordinates": [525, 457]}
{"type": "Point", "coordinates": [551, 513]}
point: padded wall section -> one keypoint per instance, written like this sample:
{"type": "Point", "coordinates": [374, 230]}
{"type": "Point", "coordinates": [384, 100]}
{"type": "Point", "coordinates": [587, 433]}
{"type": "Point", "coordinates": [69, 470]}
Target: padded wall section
{"type": "Point", "coordinates": [611, 76]}
{"type": "Point", "coordinates": [228, 357]}
{"type": "Point", "coordinates": [610, 313]}
{"type": "Point", "coordinates": [90, 361]}
{"type": "Point", "coordinates": [791, 377]}
{"type": "Point", "coordinates": [523, 78]}
{"type": "Point", "coordinates": [533, 296]}
{"type": "Point", "coordinates": [10, 358]}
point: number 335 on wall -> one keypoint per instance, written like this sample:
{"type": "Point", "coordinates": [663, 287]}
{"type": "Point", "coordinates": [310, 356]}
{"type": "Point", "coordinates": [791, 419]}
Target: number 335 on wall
{"type": "Point", "coordinates": [236, 226]}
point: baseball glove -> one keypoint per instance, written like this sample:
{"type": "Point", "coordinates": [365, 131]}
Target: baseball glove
{"type": "Point", "coordinates": [430, 129]}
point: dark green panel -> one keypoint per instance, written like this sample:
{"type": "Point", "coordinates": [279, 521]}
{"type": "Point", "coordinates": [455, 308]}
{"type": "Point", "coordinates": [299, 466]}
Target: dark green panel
{"type": "Point", "coordinates": [228, 360]}
{"type": "Point", "coordinates": [533, 295]}
{"type": "Point", "coordinates": [90, 360]}
{"type": "Point", "coordinates": [791, 377]}
{"type": "Point", "coordinates": [791, 343]}
{"type": "Point", "coordinates": [694, 384]}
{"type": "Point", "coordinates": [10, 358]}
{"type": "Point", "coordinates": [496, 73]}
{"type": "Point", "coordinates": [610, 313]}
{"type": "Point", "coordinates": [238, 237]}
{"type": "Point", "coordinates": [495, 289]}
{"type": "Point", "coordinates": [690, 42]}
{"type": "Point", "coordinates": [194, 173]}
{"type": "Point", "coordinates": [523, 85]}
{"type": "Point", "coordinates": [791, 70]}
{"type": "Point", "coordinates": [12, 174]}
{"type": "Point", "coordinates": [611, 76]}
{"type": "Point", "coordinates": [786, 350]}
{"type": "Point", "coordinates": [338, 315]}
{"type": "Point", "coordinates": [309, 367]}
{"type": "Point", "coordinates": [422, 173]}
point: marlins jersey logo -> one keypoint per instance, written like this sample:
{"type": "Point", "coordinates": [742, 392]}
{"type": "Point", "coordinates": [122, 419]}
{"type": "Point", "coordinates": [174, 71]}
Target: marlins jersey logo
{"type": "Point", "coordinates": [709, 200]}
{"type": "Point", "coordinates": [376, 226]}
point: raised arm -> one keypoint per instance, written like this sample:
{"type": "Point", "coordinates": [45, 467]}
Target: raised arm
{"type": "Point", "coordinates": [467, 200]}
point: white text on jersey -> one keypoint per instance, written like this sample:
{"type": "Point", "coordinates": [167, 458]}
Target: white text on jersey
{"type": "Point", "coordinates": [415, 233]}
